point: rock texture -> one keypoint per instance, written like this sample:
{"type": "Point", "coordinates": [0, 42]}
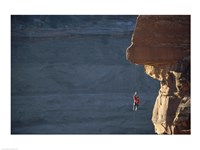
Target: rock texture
{"type": "Point", "coordinates": [160, 40]}
{"type": "Point", "coordinates": [162, 45]}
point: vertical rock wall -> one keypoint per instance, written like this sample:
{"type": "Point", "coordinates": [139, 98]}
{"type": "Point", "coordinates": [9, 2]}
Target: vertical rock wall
{"type": "Point", "coordinates": [162, 45]}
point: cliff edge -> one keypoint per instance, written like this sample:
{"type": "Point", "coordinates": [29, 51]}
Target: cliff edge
{"type": "Point", "coordinates": [162, 44]}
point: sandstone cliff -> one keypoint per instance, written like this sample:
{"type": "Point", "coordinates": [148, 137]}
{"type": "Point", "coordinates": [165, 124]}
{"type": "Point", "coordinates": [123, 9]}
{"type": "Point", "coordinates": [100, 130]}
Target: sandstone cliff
{"type": "Point", "coordinates": [162, 45]}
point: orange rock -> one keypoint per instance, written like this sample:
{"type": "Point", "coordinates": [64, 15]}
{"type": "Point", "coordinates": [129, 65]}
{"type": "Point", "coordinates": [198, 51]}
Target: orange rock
{"type": "Point", "coordinates": [162, 45]}
{"type": "Point", "coordinates": [160, 40]}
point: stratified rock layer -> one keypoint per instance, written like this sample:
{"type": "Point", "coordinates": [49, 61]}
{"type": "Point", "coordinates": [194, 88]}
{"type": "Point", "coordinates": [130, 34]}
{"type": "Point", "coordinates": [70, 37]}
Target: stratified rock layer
{"type": "Point", "coordinates": [162, 45]}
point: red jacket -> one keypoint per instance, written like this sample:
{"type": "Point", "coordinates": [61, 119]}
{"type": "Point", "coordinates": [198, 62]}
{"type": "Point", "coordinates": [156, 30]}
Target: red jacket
{"type": "Point", "coordinates": [136, 99]}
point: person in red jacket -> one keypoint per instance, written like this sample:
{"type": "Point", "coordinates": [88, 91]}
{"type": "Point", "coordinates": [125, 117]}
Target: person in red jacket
{"type": "Point", "coordinates": [136, 102]}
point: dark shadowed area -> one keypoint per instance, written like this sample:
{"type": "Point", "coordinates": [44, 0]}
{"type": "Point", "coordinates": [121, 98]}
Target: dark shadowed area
{"type": "Point", "coordinates": [69, 75]}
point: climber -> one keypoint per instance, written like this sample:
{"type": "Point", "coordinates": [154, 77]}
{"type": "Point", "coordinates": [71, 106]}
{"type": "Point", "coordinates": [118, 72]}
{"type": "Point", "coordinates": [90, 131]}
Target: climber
{"type": "Point", "coordinates": [136, 102]}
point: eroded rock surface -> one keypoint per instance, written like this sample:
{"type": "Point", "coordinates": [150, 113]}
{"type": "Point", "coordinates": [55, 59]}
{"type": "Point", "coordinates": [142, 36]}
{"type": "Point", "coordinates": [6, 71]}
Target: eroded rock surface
{"type": "Point", "coordinates": [162, 45]}
{"type": "Point", "coordinates": [160, 40]}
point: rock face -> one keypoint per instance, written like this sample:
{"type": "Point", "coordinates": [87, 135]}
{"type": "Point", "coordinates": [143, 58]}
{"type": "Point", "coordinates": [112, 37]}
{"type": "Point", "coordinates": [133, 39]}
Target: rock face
{"type": "Point", "coordinates": [162, 45]}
